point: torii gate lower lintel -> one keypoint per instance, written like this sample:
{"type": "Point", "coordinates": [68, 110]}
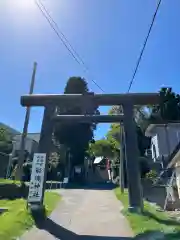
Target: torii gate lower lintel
{"type": "Point", "coordinates": [126, 100]}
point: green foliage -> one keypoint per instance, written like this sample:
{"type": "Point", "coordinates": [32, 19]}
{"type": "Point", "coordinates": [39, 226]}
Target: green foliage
{"type": "Point", "coordinates": [151, 224]}
{"type": "Point", "coordinates": [113, 135]}
{"type": "Point", "coordinates": [111, 143]}
{"type": "Point", "coordinates": [102, 147]}
{"type": "Point", "coordinates": [53, 166]}
{"type": "Point", "coordinates": [5, 141]}
{"type": "Point", "coordinates": [54, 159]}
{"type": "Point", "coordinates": [169, 107]}
{"type": "Point", "coordinates": [168, 110]}
{"type": "Point", "coordinates": [75, 136]}
{"type": "Point", "coordinates": [27, 168]}
{"type": "Point", "coordinates": [116, 110]}
{"type": "Point", "coordinates": [4, 137]}
{"type": "Point", "coordinates": [108, 146]}
{"type": "Point", "coordinates": [18, 219]}
{"type": "Point", "coordinates": [76, 85]}
{"type": "Point", "coordinates": [152, 175]}
{"type": "Point", "coordinates": [141, 115]}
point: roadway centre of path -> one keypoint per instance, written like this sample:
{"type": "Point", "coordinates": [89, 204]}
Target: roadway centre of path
{"type": "Point", "coordinates": [84, 214]}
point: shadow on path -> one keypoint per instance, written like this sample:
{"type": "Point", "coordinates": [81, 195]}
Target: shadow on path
{"type": "Point", "coordinates": [168, 222]}
{"type": "Point", "coordinates": [63, 234]}
{"type": "Point", "coordinates": [92, 186]}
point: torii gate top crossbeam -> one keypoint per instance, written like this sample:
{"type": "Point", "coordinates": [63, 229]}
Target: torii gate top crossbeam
{"type": "Point", "coordinates": [97, 99]}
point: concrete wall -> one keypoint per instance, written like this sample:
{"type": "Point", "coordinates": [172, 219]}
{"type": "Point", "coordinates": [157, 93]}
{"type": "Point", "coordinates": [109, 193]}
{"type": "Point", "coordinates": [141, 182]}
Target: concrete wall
{"type": "Point", "coordinates": [157, 194]}
{"type": "Point", "coordinates": [12, 191]}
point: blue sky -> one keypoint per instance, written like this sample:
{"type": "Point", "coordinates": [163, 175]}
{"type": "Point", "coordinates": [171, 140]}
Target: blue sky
{"type": "Point", "coordinates": [108, 34]}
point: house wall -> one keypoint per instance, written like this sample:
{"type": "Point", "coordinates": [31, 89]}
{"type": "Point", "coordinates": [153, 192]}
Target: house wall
{"type": "Point", "coordinates": [164, 140]}
{"type": "Point", "coordinates": [30, 145]}
{"type": "Point", "coordinates": [168, 138]}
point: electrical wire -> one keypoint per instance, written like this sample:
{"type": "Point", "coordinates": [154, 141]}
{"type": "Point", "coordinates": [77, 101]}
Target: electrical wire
{"type": "Point", "coordinates": [57, 33]}
{"type": "Point", "coordinates": [63, 38]}
{"type": "Point", "coordinates": [144, 46]}
{"type": "Point", "coordinates": [63, 35]}
{"type": "Point", "coordinates": [75, 54]}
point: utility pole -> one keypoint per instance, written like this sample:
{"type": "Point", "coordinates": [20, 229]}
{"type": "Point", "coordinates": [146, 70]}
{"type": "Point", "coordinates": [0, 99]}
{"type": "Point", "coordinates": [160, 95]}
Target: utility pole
{"type": "Point", "coordinates": [25, 128]}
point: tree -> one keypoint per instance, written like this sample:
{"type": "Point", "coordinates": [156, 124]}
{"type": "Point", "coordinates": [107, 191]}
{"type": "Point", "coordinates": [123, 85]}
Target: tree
{"type": "Point", "coordinates": [140, 120]}
{"type": "Point", "coordinates": [115, 110]}
{"type": "Point", "coordinates": [142, 115]}
{"type": "Point", "coordinates": [169, 107]}
{"type": "Point", "coordinates": [5, 141]}
{"type": "Point", "coordinates": [75, 136]}
{"type": "Point", "coordinates": [113, 135]}
{"type": "Point", "coordinates": [101, 147]}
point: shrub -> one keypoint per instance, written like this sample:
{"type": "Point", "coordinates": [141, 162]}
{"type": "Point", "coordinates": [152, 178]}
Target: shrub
{"type": "Point", "coordinates": [151, 175]}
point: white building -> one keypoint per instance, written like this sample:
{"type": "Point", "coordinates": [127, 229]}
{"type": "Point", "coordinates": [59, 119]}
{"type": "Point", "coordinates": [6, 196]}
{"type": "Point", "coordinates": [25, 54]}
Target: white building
{"type": "Point", "coordinates": [174, 163]}
{"type": "Point", "coordinates": [164, 139]}
{"type": "Point", "coordinates": [165, 144]}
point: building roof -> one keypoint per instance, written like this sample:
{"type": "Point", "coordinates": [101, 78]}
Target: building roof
{"type": "Point", "coordinates": [151, 128]}
{"type": "Point", "coordinates": [98, 160]}
{"type": "Point", "coordinates": [34, 136]}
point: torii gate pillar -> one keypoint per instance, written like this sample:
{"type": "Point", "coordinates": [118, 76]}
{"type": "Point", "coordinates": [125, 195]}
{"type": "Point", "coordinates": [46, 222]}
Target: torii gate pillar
{"type": "Point", "coordinates": [132, 154]}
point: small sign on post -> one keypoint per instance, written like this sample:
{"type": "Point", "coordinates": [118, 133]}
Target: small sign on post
{"type": "Point", "coordinates": [37, 178]}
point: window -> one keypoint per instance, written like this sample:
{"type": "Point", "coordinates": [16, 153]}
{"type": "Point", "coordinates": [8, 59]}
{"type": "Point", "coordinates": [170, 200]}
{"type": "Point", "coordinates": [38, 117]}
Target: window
{"type": "Point", "coordinates": [154, 154]}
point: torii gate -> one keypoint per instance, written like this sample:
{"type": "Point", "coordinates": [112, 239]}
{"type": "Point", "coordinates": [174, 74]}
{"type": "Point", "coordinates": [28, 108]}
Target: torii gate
{"type": "Point", "coordinates": [88, 102]}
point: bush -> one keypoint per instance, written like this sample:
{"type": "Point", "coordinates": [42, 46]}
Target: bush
{"type": "Point", "coordinates": [151, 175]}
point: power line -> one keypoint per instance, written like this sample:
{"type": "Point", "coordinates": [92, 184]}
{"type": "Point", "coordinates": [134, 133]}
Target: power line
{"type": "Point", "coordinates": [65, 41]}
{"type": "Point", "coordinates": [59, 36]}
{"type": "Point", "coordinates": [56, 25]}
{"type": "Point", "coordinates": [144, 45]}
{"type": "Point", "coordinates": [74, 53]}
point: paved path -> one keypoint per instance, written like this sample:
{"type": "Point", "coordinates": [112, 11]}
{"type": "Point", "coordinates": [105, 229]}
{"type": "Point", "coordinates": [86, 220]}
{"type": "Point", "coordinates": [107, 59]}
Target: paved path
{"type": "Point", "coordinates": [84, 215]}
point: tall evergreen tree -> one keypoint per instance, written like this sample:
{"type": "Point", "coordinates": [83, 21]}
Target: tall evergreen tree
{"type": "Point", "coordinates": [75, 136]}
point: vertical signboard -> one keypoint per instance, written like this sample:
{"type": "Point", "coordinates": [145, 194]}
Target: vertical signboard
{"type": "Point", "coordinates": [37, 178]}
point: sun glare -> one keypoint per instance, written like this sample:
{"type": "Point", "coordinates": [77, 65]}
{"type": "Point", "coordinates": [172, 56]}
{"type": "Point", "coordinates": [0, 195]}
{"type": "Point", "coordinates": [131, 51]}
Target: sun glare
{"type": "Point", "coordinates": [24, 4]}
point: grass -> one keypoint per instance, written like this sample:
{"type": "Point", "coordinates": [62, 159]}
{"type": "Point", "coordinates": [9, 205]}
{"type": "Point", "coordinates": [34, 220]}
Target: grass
{"type": "Point", "coordinates": [18, 219]}
{"type": "Point", "coordinates": [150, 221]}
{"type": "Point", "coordinates": [9, 181]}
